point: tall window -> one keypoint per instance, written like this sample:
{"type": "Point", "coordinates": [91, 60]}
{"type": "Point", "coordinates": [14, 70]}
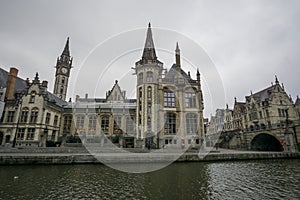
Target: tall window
{"type": "Point", "coordinates": [190, 100]}
{"type": "Point", "coordinates": [10, 116]}
{"type": "Point", "coordinates": [24, 115]}
{"type": "Point", "coordinates": [117, 124]}
{"type": "Point", "coordinates": [149, 77]}
{"type": "Point", "coordinates": [149, 93]}
{"type": "Point", "coordinates": [48, 116]}
{"type": "Point", "coordinates": [105, 124]}
{"type": "Point", "coordinates": [92, 122]}
{"type": "Point", "coordinates": [129, 125]}
{"type": "Point", "coordinates": [55, 120]}
{"type": "Point", "coordinates": [267, 113]}
{"type": "Point", "coordinates": [34, 115]}
{"type": "Point", "coordinates": [191, 123]}
{"type": "Point", "coordinates": [170, 123]}
{"type": "Point", "coordinates": [140, 79]}
{"type": "Point", "coordinates": [67, 123]}
{"type": "Point", "coordinates": [21, 133]}
{"type": "Point", "coordinates": [169, 99]}
{"type": "Point", "coordinates": [30, 134]}
{"type": "Point", "coordinates": [53, 135]}
{"type": "Point", "coordinates": [80, 121]}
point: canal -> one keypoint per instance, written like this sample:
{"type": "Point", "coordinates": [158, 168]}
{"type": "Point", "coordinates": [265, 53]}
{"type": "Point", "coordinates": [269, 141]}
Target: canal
{"type": "Point", "coordinates": [265, 179]}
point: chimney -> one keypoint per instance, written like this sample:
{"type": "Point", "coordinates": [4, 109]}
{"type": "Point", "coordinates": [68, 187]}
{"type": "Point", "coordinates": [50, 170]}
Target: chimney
{"type": "Point", "coordinates": [45, 84]}
{"type": "Point", "coordinates": [11, 83]}
{"type": "Point", "coordinates": [86, 96]}
{"type": "Point", "coordinates": [77, 98]}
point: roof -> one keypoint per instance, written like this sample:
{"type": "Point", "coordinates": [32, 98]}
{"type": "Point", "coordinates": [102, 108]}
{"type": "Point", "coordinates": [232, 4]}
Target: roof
{"type": "Point", "coordinates": [297, 101]}
{"type": "Point", "coordinates": [20, 83]}
{"type": "Point", "coordinates": [170, 75]}
{"type": "Point", "coordinates": [263, 94]}
{"type": "Point", "coordinates": [54, 99]}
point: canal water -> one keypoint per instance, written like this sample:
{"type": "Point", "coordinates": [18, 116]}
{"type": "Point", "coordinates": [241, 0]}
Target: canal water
{"type": "Point", "coordinates": [265, 179]}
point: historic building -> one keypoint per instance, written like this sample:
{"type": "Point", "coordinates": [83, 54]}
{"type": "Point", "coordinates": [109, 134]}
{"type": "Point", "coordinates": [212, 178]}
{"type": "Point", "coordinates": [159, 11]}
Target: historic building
{"type": "Point", "coordinates": [168, 109]}
{"type": "Point", "coordinates": [267, 120]}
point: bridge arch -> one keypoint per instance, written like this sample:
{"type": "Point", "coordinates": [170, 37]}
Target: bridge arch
{"type": "Point", "coordinates": [265, 142]}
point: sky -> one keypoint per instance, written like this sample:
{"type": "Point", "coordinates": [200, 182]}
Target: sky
{"type": "Point", "coordinates": [247, 43]}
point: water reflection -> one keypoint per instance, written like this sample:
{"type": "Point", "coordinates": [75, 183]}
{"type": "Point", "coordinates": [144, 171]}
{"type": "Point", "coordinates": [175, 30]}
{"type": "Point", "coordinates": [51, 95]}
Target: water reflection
{"type": "Point", "coordinates": [275, 179]}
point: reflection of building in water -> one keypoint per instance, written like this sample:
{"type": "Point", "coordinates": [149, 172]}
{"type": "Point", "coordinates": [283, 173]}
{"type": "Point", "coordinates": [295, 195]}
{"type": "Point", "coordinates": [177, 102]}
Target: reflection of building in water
{"type": "Point", "coordinates": [168, 109]}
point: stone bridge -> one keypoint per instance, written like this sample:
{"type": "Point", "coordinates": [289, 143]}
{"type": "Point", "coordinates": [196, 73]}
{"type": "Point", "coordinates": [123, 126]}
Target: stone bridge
{"type": "Point", "coordinates": [272, 139]}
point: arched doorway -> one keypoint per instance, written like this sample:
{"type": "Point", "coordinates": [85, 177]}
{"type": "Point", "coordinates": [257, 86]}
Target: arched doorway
{"type": "Point", "coordinates": [265, 142]}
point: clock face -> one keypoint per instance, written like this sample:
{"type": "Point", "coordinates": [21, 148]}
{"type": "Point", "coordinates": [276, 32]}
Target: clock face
{"type": "Point", "coordinates": [64, 70]}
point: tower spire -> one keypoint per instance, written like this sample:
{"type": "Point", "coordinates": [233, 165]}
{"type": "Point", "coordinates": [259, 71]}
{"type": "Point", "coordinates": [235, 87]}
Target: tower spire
{"type": "Point", "coordinates": [149, 50]}
{"type": "Point", "coordinates": [66, 50]}
{"type": "Point", "coordinates": [177, 57]}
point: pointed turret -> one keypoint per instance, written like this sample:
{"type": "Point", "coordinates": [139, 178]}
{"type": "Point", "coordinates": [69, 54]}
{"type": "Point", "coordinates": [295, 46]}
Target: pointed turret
{"type": "Point", "coordinates": [276, 80]}
{"type": "Point", "coordinates": [66, 50]}
{"type": "Point", "coordinates": [149, 50]}
{"type": "Point", "coordinates": [198, 75]}
{"type": "Point", "coordinates": [177, 57]}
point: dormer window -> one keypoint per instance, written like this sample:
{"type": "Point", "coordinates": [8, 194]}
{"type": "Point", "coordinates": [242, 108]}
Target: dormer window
{"type": "Point", "coordinates": [32, 97]}
{"type": "Point", "coordinates": [140, 80]}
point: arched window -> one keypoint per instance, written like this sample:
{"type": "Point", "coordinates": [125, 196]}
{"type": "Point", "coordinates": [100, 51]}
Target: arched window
{"type": "Point", "coordinates": [149, 93]}
{"type": "Point", "coordinates": [190, 99]}
{"type": "Point", "coordinates": [130, 125]}
{"type": "Point", "coordinates": [191, 123]}
{"type": "Point", "coordinates": [92, 122]}
{"type": "Point", "coordinates": [80, 122]}
{"type": "Point", "coordinates": [149, 77]}
{"type": "Point", "coordinates": [140, 78]}
{"type": "Point", "coordinates": [105, 124]}
{"type": "Point", "coordinates": [170, 124]}
{"type": "Point", "coordinates": [117, 124]}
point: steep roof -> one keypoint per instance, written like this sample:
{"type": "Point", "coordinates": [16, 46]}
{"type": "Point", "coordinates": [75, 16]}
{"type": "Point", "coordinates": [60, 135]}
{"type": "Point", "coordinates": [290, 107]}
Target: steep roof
{"type": "Point", "coordinates": [20, 83]}
{"type": "Point", "coordinates": [170, 75]}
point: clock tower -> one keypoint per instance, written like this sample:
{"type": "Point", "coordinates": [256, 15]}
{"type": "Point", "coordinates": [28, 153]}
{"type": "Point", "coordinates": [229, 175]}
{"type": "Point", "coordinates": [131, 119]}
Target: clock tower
{"type": "Point", "coordinates": [62, 74]}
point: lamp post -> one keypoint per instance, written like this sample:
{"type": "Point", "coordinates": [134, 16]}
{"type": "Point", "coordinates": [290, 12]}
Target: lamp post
{"type": "Point", "coordinates": [18, 102]}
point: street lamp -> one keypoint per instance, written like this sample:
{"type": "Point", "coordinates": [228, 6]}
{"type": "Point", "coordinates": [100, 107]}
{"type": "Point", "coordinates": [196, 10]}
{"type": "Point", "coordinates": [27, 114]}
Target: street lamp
{"type": "Point", "coordinates": [18, 102]}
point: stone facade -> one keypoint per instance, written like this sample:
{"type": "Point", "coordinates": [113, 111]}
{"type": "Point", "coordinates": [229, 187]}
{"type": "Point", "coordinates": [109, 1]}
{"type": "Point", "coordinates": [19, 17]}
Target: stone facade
{"type": "Point", "coordinates": [270, 111]}
{"type": "Point", "coordinates": [168, 109]}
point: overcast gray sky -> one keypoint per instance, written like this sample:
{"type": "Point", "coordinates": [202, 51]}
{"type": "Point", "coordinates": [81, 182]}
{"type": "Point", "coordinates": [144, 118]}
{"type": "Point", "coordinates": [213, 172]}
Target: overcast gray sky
{"type": "Point", "coordinates": [248, 41]}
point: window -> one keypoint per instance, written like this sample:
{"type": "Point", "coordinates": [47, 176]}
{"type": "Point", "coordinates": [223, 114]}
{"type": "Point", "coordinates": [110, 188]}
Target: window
{"type": "Point", "coordinates": [67, 123]}
{"type": "Point", "coordinates": [105, 124]}
{"type": "Point", "coordinates": [129, 125]}
{"type": "Point", "coordinates": [169, 99]}
{"type": "Point", "coordinates": [149, 93]}
{"type": "Point", "coordinates": [30, 134]}
{"type": "Point", "coordinates": [149, 77]}
{"type": "Point", "coordinates": [191, 123]}
{"type": "Point", "coordinates": [140, 79]}
{"type": "Point", "coordinates": [267, 113]}
{"type": "Point", "coordinates": [34, 115]}
{"type": "Point", "coordinates": [260, 114]}
{"type": "Point", "coordinates": [10, 116]}
{"type": "Point", "coordinates": [117, 124]}
{"type": "Point", "coordinates": [170, 123]}
{"type": "Point", "coordinates": [149, 109]}
{"type": "Point", "coordinates": [55, 120]}
{"type": "Point", "coordinates": [32, 99]}
{"type": "Point", "coordinates": [190, 100]}
{"type": "Point", "coordinates": [24, 115]}
{"type": "Point", "coordinates": [80, 122]}
{"type": "Point", "coordinates": [48, 115]}
{"type": "Point", "coordinates": [92, 122]}
{"type": "Point", "coordinates": [21, 133]}
{"type": "Point", "coordinates": [53, 135]}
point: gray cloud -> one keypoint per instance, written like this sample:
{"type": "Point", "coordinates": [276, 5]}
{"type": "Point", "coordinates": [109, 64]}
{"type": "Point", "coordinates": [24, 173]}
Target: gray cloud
{"type": "Point", "coordinates": [248, 41]}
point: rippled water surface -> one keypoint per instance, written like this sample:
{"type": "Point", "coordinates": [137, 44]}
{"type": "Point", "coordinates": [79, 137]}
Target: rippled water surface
{"type": "Point", "coordinates": [268, 179]}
